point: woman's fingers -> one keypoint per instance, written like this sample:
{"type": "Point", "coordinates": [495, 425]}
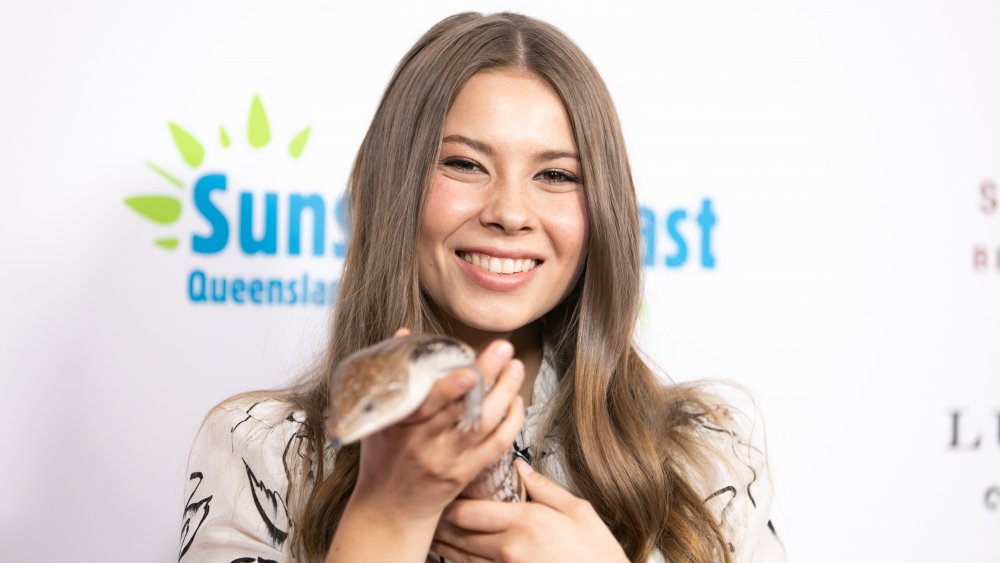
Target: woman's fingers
{"type": "Point", "coordinates": [445, 391]}
{"type": "Point", "coordinates": [452, 553]}
{"type": "Point", "coordinates": [493, 359]}
{"type": "Point", "coordinates": [543, 490]}
{"type": "Point", "coordinates": [490, 363]}
{"type": "Point", "coordinates": [475, 543]}
{"type": "Point", "coordinates": [444, 420]}
{"type": "Point", "coordinates": [484, 516]}
{"type": "Point", "coordinates": [501, 413]}
{"type": "Point", "coordinates": [501, 438]}
{"type": "Point", "coordinates": [497, 402]}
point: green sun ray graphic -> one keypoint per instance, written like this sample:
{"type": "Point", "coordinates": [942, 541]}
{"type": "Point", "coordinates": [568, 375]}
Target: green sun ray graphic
{"type": "Point", "coordinates": [157, 208]}
{"type": "Point", "coordinates": [189, 147]}
{"type": "Point", "coordinates": [298, 143]}
{"type": "Point", "coordinates": [165, 209]}
{"type": "Point", "coordinates": [258, 128]}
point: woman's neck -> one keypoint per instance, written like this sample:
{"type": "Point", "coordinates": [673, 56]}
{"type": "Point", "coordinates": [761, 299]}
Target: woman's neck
{"type": "Point", "coordinates": [527, 342]}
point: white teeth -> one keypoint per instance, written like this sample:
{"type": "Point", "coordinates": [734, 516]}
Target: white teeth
{"type": "Point", "coordinates": [499, 265]}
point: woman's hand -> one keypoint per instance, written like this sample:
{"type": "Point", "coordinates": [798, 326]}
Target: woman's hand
{"type": "Point", "coordinates": [554, 526]}
{"type": "Point", "coordinates": [410, 471]}
{"type": "Point", "coordinates": [422, 463]}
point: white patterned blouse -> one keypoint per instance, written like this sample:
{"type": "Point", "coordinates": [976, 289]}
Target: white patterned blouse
{"type": "Point", "coordinates": [235, 498]}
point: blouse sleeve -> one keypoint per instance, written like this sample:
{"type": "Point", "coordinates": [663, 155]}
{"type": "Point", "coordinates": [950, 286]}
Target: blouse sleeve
{"type": "Point", "coordinates": [235, 497]}
{"type": "Point", "coordinates": [740, 492]}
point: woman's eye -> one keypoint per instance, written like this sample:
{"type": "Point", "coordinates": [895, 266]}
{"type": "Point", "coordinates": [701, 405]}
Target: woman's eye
{"type": "Point", "coordinates": [461, 164]}
{"type": "Point", "coordinates": [558, 177]}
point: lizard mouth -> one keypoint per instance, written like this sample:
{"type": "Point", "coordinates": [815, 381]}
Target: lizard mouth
{"type": "Point", "coordinates": [366, 418]}
{"type": "Point", "coordinates": [499, 265]}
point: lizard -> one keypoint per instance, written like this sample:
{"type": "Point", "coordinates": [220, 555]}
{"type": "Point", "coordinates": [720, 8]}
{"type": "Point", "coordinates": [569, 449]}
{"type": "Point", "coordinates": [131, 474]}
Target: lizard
{"type": "Point", "coordinates": [384, 383]}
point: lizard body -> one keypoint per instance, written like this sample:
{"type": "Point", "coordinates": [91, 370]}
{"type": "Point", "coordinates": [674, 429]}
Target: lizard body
{"type": "Point", "coordinates": [384, 383]}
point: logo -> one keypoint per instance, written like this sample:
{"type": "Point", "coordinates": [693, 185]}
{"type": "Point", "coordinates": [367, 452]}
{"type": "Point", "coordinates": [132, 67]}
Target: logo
{"type": "Point", "coordinates": [246, 228]}
{"type": "Point", "coordinates": [240, 216]}
{"type": "Point", "coordinates": [675, 224]}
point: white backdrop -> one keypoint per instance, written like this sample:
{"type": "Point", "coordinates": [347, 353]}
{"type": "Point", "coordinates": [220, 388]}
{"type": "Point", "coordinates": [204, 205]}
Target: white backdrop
{"type": "Point", "coordinates": [849, 153]}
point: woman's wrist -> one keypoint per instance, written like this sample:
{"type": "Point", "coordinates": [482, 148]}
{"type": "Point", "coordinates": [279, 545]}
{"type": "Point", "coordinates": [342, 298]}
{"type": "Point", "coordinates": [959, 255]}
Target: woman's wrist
{"type": "Point", "coordinates": [372, 529]}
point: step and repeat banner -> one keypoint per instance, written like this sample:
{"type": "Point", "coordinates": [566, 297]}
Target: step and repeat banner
{"type": "Point", "coordinates": [819, 217]}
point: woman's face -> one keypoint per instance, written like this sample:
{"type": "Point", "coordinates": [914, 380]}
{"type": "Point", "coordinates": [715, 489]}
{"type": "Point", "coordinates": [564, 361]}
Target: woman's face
{"type": "Point", "coordinates": [504, 231]}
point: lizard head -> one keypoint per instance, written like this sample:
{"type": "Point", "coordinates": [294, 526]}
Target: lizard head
{"type": "Point", "coordinates": [383, 384]}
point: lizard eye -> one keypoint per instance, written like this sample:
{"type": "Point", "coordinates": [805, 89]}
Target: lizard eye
{"type": "Point", "coordinates": [369, 406]}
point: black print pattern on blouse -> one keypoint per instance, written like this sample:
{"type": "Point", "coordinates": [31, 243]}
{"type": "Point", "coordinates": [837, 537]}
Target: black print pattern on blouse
{"type": "Point", "coordinates": [522, 450]}
{"type": "Point", "coordinates": [729, 504]}
{"type": "Point", "coordinates": [252, 560]}
{"type": "Point", "coordinates": [193, 511]}
{"type": "Point", "coordinates": [298, 451]}
{"type": "Point", "coordinates": [270, 505]}
{"type": "Point", "coordinates": [232, 431]}
{"type": "Point", "coordinates": [271, 508]}
{"type": "Point", "coordinates": [701, 419]}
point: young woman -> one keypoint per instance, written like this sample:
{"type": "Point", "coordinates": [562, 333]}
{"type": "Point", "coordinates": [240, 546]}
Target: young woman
{"type": "Point", "coordinates": [492, 201]}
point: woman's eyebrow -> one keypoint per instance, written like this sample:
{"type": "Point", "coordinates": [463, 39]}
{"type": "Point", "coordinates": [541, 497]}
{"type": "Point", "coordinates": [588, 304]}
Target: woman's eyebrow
{"type": "Point", "coordinates": [475, 145]}
{"type": "Point", "coordinates": [555, 155]}
{"type": "Point", "coordinates": [543, 156]}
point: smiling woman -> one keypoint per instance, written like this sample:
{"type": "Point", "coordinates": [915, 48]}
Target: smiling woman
{"type": "Point", "coordinates": [491, 201]}
{"type": "Point", "coordinates": [504, 229]}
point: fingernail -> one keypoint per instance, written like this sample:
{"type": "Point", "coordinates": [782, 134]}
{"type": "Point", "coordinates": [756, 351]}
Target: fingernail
{"type": "Point", "coordinates": [503, 350]}
{"type": "Point", "coordinates": [466, 381]}
{"type": "Point", "coordinates": [516, 370]}
{"type": "Point", "coordinates": [523, 467]}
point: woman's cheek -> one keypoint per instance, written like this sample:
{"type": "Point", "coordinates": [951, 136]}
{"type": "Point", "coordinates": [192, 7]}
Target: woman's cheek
{"type": "Point", "coordinates": [451, 199]}
{"type": "Point", "coordinates": [568, 226]}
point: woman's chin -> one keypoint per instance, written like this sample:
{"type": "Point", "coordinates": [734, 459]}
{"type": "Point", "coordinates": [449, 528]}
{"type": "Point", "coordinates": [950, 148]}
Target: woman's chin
{"type": "Point", "coordinates": [499, 328]}
{"type": "Point", "coordinates": [477, 327]}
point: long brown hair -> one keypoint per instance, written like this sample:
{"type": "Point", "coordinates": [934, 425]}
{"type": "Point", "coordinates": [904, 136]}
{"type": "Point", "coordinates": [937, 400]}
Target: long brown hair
{"type": "Point", "coordinates": [627, 439]}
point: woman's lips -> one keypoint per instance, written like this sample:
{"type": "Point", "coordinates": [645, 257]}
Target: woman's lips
{"type": "Point", "coordinates": [498, 264]}
{"type": "Point", "coordinates": [489, 273]}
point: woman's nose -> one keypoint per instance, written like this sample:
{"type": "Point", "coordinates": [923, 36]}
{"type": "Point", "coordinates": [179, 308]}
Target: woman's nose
{"type": "Point", "coordinates": [508, 207]}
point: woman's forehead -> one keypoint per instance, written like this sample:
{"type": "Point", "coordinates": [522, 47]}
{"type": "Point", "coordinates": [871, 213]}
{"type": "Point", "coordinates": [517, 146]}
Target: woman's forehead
{"type": "Point", "coordinates": [510, 109]}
